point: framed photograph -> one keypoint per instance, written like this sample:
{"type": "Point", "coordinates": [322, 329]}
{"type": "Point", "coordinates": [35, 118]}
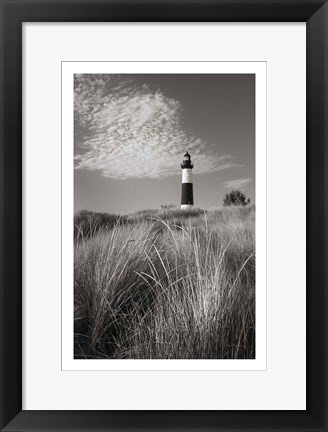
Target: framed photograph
{"type": "Point", "coordinates": [163, 229]}
{"type": "Point", "coordinates": [161, 186]}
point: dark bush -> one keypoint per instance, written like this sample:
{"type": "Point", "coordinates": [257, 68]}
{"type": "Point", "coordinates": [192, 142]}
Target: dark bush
{"type": "Point", "coordinates": [235, 198]}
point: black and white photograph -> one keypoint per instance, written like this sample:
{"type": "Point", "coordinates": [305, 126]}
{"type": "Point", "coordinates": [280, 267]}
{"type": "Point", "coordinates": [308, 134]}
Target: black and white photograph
{"type": "Point", "coordinates": [164, 216]}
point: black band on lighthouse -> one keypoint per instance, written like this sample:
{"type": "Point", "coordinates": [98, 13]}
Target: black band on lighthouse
{"type": "Point", "coordinates": [187, 194]}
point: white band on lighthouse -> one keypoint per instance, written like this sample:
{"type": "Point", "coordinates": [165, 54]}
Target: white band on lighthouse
{"type": "Point", "coordinates": [186, 175]}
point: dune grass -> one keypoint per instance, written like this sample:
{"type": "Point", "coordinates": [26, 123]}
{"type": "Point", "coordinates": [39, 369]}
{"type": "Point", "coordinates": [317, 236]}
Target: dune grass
{"type": "Point", "coordinates": [165, 284]}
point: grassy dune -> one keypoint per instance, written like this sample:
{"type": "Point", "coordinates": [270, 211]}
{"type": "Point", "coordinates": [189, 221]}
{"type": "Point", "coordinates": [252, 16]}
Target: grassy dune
{"type": "Point", "coordinates": [165, 284]}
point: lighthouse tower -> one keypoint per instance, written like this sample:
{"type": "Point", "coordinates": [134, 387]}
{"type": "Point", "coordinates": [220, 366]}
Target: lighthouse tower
{"type": "Point", "coordinates": [187, 197]}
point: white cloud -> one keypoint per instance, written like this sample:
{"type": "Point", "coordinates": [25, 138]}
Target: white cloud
{"type": "Point", "coordinates": [134, 131]}
{"type": "Point", "coordinates": [240, 183]}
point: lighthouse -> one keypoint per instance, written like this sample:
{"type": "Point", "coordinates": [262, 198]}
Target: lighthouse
{"type": "Point", "coordinates": [187, 197]}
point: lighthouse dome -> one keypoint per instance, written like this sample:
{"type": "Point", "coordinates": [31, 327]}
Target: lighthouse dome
{"type": "Point", "coordinates": [186, 163]}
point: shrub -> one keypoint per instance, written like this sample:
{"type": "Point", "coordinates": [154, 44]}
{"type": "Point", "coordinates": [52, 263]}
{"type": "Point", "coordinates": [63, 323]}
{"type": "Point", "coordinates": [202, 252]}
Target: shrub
{"type": "Point", "coordinates": [235, 198]}
{"type": "Point", "coordinates": [168, 206]}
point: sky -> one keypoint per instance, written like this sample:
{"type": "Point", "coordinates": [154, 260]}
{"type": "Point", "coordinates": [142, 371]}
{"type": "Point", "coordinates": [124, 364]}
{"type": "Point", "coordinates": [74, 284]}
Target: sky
{"type": "Point", "coordinates": [131, 132]}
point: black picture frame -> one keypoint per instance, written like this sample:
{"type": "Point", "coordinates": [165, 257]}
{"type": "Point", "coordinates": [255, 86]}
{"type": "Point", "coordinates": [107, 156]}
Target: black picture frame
{"type": "Point", "coordinates": [13, 14]}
